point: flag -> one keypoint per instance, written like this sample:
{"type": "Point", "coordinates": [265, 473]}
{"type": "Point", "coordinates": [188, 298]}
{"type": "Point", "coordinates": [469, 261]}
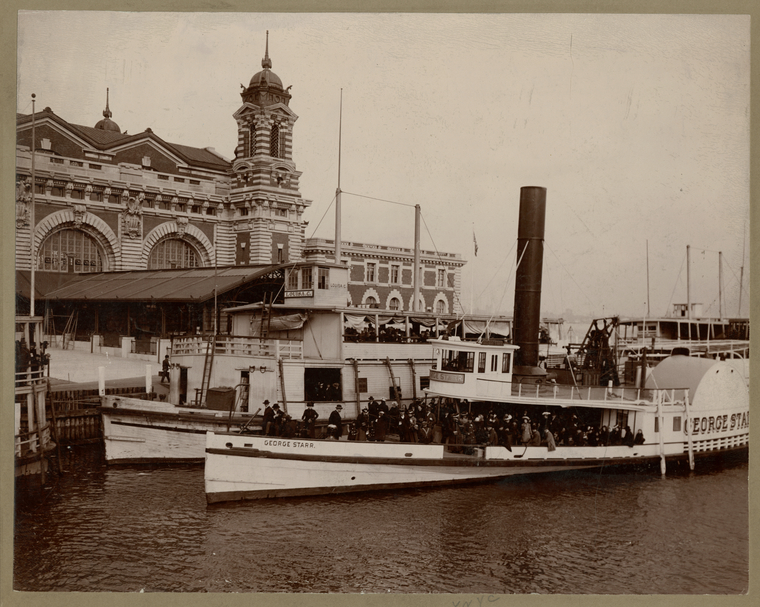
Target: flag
{"type": "Point", "coordinates": [475, 243]}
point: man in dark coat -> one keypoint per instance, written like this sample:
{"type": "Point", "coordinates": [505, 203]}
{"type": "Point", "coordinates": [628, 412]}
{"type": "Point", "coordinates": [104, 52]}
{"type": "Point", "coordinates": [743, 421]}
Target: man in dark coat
{"type": "Point", "coordinates": [381, 426]}
{"type": "Point", "coordinates": [309, 418]}
{"type": "Point", "coordinates": [165, 369]}
{"type": "Point", "coordinates": [268, 418]}
{"type": "Point", "coordinates": [336, 421]}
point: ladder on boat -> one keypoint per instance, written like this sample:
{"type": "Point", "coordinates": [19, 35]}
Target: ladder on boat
{"type": "Point", "coordinates": [208, 364]}
{"type": "Point", "coordinates": [266, 316]}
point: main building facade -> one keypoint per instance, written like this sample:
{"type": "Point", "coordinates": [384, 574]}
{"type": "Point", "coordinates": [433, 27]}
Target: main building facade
{"type": "Point", "coordinates": [108, 201]}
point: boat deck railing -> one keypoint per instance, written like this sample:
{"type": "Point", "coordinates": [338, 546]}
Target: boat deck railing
{"type": "Point", "coordinates": [238, 345]}
{"type": "Point", "coordinates": [620, 394]}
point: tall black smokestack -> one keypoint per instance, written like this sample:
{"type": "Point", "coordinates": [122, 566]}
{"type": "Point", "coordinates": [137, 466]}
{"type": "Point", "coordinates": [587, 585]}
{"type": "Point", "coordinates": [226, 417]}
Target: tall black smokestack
{"type": "Point", "coordinates": [530, 253]}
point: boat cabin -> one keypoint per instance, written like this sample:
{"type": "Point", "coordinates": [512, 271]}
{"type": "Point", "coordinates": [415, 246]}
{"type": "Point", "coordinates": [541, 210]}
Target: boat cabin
{"type": "Point", "coordinates": [465, 369]}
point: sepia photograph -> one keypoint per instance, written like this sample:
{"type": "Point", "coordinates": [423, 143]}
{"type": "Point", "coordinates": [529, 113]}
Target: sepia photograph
{"type": "Point", "coordinates": [383, 303]}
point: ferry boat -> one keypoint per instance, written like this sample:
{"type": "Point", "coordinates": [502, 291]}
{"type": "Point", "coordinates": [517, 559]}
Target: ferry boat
{"type": "Point", "coordinates": [312, 348]}
{"type": "Point", "coordinates": [689, 407]}
{"type": "Point", "coordinates": [33, 439]}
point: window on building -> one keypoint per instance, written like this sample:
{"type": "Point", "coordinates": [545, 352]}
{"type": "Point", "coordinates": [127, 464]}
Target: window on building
{"type": "Point", "coordinates": [281, 212]}
{"type": "Point", "coordinates": [173, 253]}
{"type": "Point", "coordinates": [274, 141]}
{"type": "Point", "coordinates": [306, 278]}
{"type": "Point", "coordinates": [481, 362]}
{"type": "Point", "coordinates": [394, 303]}
{"type": "Point", "coordinates": [195, 182]}
{"type": "Point", "coordinates": [76, 163]}
{"type": "Point", "coordinates": [494, 363]}
{"type": "Point", "coordinates": [70, 250]}
{"type": "Point", "coordinates": [279, 253]}
{"type": "Point", "coordinates": [394, 274]}
{"type": "Point", "coordinates": [371, 272]}
{"type": "Point", "coordinates": [505, 362]}
{"type": "Point", "coordinates": [440, 307]}
{"type": "Point", "coordinates": [293, 280]}
{"type": "Point", "coordinates": [441, 278]}
{"type": "Point", "coordinates": [677, 423]}
{"type": "Point", "coordinates": [371, 302]}
{"type": "Point", "coordinates": [323, 278]}
{"type": "Point", "coordinates": [96, 195]}
{"type": "Point", "coordinates": [252, 139]}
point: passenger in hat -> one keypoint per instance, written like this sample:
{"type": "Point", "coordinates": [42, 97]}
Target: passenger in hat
{"type": "Point", "coordinates": [336, 421]}
{"type": "Point", "coordinates": [267, 423]}
{"type": "Point", "coordinates": [381, 426]}
{"type": "Point", "coordinates": [362, 425]}
{"type": "Point", "coordinates": [526, 432]}
{"type": "Point", "coordinates": [309, 419]}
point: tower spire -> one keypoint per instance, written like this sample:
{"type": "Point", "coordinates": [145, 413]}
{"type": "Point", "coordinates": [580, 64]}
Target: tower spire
{"type": "Point", "coordinates": [107, 112]}
{"type": "Point", "coordinates": [266, 62]}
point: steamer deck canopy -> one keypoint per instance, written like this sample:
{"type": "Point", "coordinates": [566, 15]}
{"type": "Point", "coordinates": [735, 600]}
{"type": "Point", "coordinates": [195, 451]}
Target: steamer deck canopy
{"type": "Point", "coordinates": [147, 304]}
{"type": "Point", "coordinates": [181, 285]}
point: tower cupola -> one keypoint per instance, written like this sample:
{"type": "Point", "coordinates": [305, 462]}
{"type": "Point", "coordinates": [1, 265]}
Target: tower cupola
{"type": "Point", "coordinates": [107, 124]}
{"type": "Point", "coordinates": [265, 88]}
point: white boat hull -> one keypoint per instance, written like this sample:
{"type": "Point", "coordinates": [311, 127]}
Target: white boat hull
{"type": "Point", "coordinates": [142, 432]}
{"type": "Point", "coordinates": [255, 467]}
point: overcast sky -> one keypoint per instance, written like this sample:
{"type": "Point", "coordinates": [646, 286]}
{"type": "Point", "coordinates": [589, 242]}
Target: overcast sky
{"type": "Point", "coordinates": [638, 126]}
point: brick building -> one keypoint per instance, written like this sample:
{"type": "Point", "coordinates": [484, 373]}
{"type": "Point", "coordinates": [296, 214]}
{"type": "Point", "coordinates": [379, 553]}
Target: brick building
{"type": "Point", "coordinates": [108, 201]}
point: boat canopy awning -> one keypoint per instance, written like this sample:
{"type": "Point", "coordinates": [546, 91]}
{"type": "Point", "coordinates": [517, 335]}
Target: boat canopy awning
{"type": "Point", "coordinates": [495, 327]}
{"type": "Point", "coordinates": [285, 322]}
{"type": "Point", "coordinates": [181, 285]}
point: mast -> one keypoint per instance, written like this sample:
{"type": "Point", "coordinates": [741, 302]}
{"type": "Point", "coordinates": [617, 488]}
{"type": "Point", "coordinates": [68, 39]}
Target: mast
{"type": "Point", "coordinates": [741, 273]}
{"type": "Point", "coordinates": [720, 284]}
{"type": "Point", "coordinates": [337, 191]}
{"type": "Point", "coordinates": [416, 272]}
{"type": "Point", "coordinates": [688, 288]}
{"type": "Point", "coordinates": [31, 240]}
{"type": "Point", "coordinates": [648, 311]}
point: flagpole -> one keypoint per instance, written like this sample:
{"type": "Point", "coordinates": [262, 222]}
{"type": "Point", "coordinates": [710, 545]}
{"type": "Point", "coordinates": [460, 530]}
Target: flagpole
{"type": "Point", "coordinates": [32, 219]}
{"type": "Point", "coordinates": [472, 274]}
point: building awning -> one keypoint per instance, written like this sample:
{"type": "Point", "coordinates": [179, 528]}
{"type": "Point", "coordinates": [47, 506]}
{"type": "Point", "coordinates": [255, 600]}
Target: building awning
{"type": "Point", "coordinates": [182, 285]}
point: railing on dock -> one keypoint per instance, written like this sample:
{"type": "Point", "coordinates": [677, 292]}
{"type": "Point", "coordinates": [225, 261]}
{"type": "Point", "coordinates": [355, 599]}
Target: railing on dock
{"type": "Point", "coordinates": [28, 443]}
{"type": "Point", "coordinates": [231, 345]}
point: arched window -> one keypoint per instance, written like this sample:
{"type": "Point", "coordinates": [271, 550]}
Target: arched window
{"type": "Point", "coordinates": [371, 302]}
{"type": "Point", "coordinates": [394, 303]}
{"type": "Point", "coordinates": [70, 250]}
{"type": "Point", "coordinates": [252, 139]}
{"type": "Point", "coordinates": [173, 253]}
{"type": "Point", "coordinates": [274, 141]}
{"type": "Point", "coordinates": [440, 307]}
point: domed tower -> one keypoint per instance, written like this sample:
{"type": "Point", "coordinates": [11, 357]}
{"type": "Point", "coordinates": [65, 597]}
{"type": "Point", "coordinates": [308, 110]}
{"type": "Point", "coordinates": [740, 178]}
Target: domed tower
{"type": "Point", "coordinates": [266, 203]}
{"type": "Point", "coordinates": [107, 124]}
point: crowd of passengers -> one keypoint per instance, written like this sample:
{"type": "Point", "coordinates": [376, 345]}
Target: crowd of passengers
{"type": "Point", "coordinates": [445, 423]}
{"type": "Point", "coordinates": [386, 335]}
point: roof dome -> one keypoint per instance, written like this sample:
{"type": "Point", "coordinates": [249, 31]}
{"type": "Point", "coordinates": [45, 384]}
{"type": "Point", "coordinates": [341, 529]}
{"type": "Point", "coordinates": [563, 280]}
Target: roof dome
{"type": "Point", "coordinates": [107, 124]}
{"type": "Point", "coordinates": [266, 77]}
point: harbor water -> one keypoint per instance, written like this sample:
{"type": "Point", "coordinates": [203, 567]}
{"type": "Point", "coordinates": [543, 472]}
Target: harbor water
{"type": "Point", "coordinates": [132, 529]}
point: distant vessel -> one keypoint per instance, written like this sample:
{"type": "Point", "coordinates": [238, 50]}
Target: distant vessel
{"type": "Point", "coordinates": [688, 408]}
